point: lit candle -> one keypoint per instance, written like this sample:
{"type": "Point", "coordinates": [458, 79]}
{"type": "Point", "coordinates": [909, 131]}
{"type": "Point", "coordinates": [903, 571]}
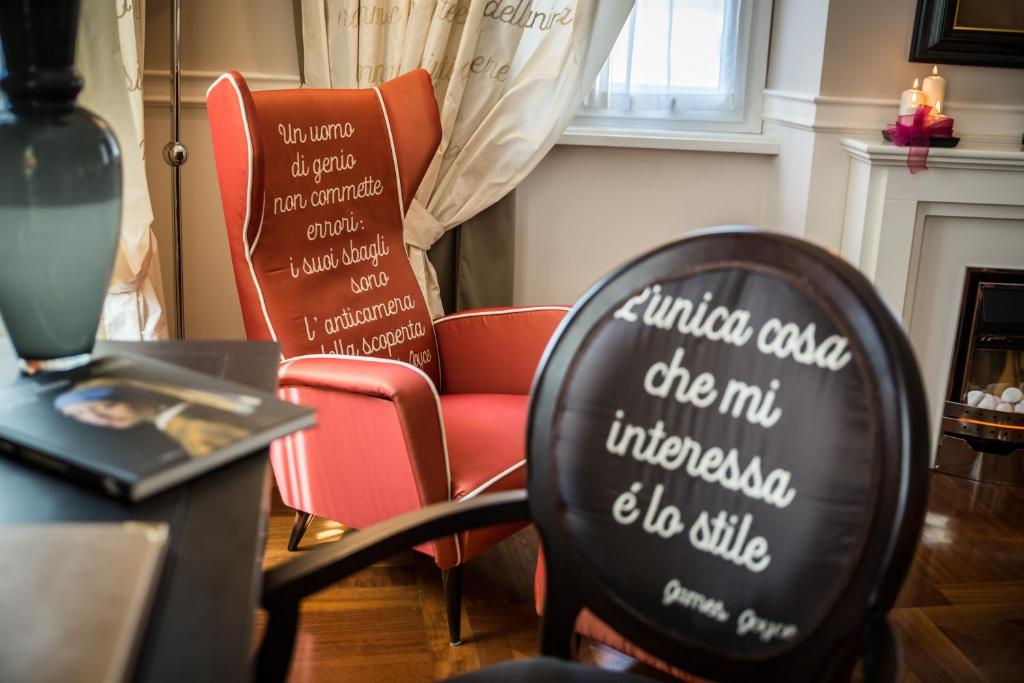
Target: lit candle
{"type": "Point", "coordinates": [938, 110]}
{"type": "Point", "coordinates": [934, 88]}
{"type": "Point", "coordinates": [911, 98]}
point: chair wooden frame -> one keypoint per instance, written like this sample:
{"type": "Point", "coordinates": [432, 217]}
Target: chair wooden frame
{"type": "Point", "coordinates": [857, 622]}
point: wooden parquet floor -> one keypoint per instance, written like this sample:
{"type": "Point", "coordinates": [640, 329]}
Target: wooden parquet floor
{"type": "Point", "coordinates": [959, 618]}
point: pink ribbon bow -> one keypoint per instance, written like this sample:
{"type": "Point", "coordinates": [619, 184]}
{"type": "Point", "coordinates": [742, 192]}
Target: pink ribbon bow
{"type": "Point", "coordinates": [916, 131]}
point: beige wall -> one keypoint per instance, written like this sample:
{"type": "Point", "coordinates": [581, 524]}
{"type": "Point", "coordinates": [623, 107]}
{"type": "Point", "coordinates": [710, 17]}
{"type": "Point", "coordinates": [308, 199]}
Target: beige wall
{"type": "Point", "coordinates": [585, 210]}
{"type": "Point", "coordinates": [859, 48]}
{"type": "Point", "coordinates": [248, 35]}
{"type": "Point", "coordinates": [867, 46]}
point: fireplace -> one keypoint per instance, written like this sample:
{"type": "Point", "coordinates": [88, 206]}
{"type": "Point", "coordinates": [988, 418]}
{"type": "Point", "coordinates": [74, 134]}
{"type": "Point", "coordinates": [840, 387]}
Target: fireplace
{"type": "Point", "coordinates": [983, 417]}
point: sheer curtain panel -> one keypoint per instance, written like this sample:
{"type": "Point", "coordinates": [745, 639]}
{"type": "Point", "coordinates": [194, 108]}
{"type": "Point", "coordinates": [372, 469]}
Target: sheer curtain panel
{"type": "Point", "coordinates": [110, 49]}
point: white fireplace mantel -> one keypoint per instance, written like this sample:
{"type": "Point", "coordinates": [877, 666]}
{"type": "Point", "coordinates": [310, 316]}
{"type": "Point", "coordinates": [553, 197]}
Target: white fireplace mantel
{"type": "Point", "coordinates": [886, 206]}
{"type": "Point", "coordinates": [914, 236]}
{"type": "Point", "coordinates": [978, 157]}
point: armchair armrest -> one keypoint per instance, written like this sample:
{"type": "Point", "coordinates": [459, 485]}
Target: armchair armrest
{"type": "Point", "coordinates": [379, 448]}
{"type": "Point", "coordinates": [377, 377]}
{"type": "Point", "coordinates": [494, 350]}
{"type": "Point", "coordinates": [284, 586]}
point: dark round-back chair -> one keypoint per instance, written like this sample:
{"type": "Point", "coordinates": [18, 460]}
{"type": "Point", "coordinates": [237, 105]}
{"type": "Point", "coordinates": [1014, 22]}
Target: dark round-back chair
{"type": "Point", "coordinates": [727, 456]}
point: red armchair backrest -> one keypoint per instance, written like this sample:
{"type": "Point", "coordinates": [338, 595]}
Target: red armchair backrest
{"type": "Point", "coordinates": [314, 186]}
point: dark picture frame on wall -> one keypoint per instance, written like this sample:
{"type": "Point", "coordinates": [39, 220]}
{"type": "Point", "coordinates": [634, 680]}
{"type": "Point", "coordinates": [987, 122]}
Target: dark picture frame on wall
{"type": "Point", "coordinates": [972, 32]}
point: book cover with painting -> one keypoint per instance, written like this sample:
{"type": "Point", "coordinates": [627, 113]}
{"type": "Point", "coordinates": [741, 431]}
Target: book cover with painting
{"type": "Point", "coordinates": [133, 426]}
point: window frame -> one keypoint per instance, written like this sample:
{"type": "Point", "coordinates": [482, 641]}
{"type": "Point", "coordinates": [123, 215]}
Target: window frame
{"type": "Point", "coordinates": [698, 130]}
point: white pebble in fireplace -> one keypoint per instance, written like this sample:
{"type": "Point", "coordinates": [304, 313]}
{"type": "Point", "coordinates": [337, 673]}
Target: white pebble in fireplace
{"type": "Point", "coordinates": [1009, 399]}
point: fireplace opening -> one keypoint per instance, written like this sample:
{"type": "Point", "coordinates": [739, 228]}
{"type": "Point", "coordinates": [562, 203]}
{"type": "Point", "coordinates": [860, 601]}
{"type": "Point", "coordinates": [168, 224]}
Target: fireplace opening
{"type": "Point", "coordinates": [983, 417]}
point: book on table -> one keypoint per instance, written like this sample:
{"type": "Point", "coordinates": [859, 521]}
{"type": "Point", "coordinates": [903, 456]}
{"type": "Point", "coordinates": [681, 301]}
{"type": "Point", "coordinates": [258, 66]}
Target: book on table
{"type": "Point", "coordinates": [133, 426]}
{"type": "Point", "coordinates": [76, 599]}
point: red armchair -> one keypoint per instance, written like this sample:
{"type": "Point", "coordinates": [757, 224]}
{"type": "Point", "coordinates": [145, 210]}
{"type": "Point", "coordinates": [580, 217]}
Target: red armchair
{"type": "Point", "coordinates": [314, 185]}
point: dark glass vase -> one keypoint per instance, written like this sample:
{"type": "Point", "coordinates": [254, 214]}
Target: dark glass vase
{"type": "Point", "coordinates": [60, 191]}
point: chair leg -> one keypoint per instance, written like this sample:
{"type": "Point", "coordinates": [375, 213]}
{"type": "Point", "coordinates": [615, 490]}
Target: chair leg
{"type": "Point", "coordinates": [452, 579]}
{"type": "Point", "coordinates": [302, 520]}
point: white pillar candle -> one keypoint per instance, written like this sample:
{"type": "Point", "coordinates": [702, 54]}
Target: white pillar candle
{"type": "Point", "coordinates": [934, 88]}
{"type": "Point", "coordinates": [911, 98]}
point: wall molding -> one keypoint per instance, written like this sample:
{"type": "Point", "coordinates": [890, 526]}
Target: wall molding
{"type": "Point", "coordinates": [156, 85]}
{"type": "Point", "coordinates": [982, 123]}
{"type": "Point", "coordinates": [790, 109]}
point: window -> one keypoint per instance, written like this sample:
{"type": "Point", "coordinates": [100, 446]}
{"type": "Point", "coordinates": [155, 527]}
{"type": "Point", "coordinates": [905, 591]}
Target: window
{"type": "Point", "coordinates": [683, 65]}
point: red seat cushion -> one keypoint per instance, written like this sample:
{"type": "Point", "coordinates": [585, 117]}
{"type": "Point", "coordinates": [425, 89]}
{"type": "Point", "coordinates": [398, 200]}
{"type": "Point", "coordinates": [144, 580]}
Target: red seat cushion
{"type": "Point", "coordinates": [486, 436]}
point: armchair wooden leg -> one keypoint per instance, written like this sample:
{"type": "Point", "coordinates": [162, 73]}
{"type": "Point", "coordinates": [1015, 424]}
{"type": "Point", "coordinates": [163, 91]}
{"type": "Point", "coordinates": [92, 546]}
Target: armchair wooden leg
{"type": "Point", "coordinates": [302, 520]}
{"type": "Point", "coordinates": [452, 579]}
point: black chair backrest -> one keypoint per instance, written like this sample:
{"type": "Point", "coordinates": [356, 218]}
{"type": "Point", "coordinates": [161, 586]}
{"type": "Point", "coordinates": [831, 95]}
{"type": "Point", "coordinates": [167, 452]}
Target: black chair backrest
{"type": "Point", "coordinates": [728, 456]}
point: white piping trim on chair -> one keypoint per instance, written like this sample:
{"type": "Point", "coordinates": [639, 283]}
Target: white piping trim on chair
{"type": "Point", "coordinates": [437, 404]}
{"type": "Point", "coordinates": [248, 203]}
{"type": "Point", "coordinates": [394, 155]}
{"type": "Point", "coordinates": [507, 311]}
{"type": "Point", "coordinates": [493, 480]}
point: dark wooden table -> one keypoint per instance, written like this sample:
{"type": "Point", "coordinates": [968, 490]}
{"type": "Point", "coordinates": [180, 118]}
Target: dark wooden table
{"type": "Point", "coordinates": [200, 628]}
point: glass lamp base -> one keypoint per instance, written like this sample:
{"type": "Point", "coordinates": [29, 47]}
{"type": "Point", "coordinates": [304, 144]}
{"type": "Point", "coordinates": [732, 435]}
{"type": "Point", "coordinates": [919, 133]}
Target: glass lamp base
{"type": "Point", "coordinates": [33, 366]}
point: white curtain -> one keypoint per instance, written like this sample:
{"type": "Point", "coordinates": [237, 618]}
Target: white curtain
{"type": "Point", "coordinates": [109, 56]}
{"type": "Point", "coordinates": [509, 76]}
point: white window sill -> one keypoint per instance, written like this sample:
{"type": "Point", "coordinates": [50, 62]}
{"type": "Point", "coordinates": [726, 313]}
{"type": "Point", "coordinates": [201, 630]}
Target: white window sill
{"type": "Point", "coordinates": [692, 141]}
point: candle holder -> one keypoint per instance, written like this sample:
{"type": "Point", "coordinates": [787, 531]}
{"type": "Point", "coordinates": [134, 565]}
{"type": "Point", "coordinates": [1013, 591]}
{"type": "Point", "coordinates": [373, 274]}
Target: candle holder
{"type": "Point", "coordinates": [932, 142]}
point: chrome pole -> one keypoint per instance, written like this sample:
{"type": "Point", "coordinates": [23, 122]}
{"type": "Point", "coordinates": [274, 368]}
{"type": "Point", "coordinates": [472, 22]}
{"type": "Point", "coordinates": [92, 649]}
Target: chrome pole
{"type": "Point", "coordinates": [176, 154]}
